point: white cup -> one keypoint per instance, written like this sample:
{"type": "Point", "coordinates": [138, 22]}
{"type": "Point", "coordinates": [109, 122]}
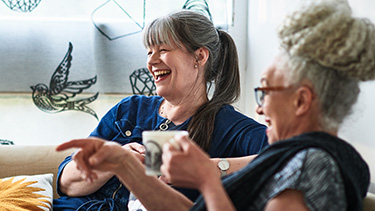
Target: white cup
{"type": "Point", "coordinates": [153, 142]}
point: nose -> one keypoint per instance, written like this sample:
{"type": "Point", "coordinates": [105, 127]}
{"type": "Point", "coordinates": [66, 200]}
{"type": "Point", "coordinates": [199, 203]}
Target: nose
{"type": "Point", "coordinates": [259, 110]}
{"type": "Point", "coordinates": [153, 59]}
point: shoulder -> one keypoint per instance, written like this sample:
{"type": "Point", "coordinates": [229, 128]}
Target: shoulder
{"type": "Point", "coordinates": [320, 180]}
{"type": "Point", "coordinates": [313, 172]}
{"type": "Point", "coordinates": [230, 121]}
{"type": "Point", "coordinates": [236, 134]}
{"type": "Point", "coordinates": [138, 102]}
{"type": "Point", "coordinates": [311, 166]}
{"type": "Point", "coordinates": [228, 115]}
{"type": "Point", "coordinates": [132, 105]}
{"type": "Point", "coordinates": [317, 158]}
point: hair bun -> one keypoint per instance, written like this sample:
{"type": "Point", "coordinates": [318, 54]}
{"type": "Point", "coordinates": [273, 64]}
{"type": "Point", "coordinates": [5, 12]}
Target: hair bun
{"type": "Point", "coordinates": [326, 33]}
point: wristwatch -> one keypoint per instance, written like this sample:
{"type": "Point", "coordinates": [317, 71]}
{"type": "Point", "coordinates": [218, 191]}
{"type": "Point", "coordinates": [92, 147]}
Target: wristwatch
{"type": "Point", "coordinates": [223, 165]}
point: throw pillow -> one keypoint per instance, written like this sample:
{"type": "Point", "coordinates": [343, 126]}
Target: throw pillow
{"type": "Point", "coordinates": [26, 192]}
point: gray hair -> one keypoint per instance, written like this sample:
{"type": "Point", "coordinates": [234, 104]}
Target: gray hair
{"type": "Point", "coordinates": [334, 51]}
{"type": "Point", "coordinates": [336, 93]}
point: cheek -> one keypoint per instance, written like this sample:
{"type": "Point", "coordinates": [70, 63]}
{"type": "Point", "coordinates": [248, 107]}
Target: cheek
{"type": "Point", "coordinates": [267, 106]}
{"type": "Point", "coordinates": [149, 67]}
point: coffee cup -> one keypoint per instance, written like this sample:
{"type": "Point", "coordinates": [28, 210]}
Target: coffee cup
{"type": "Point", "coordinates": [153, 142]}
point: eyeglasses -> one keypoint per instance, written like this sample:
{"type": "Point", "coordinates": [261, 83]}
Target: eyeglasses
{"type": "Point", "coordinates": [260, 92]}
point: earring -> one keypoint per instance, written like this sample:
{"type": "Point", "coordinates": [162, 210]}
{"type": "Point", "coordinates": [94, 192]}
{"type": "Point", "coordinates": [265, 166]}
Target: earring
{"type": "Point", "coordinates": [195, 66]}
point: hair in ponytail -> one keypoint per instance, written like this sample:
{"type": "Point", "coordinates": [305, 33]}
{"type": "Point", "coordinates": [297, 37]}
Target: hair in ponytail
{"type": "Point", "coordinates": [194, 31]}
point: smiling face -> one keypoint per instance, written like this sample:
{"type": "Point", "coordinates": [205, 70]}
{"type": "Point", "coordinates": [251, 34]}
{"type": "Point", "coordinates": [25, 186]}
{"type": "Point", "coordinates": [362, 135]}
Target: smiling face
{"type": "Point", "coordinates": [174, 71]}
{"type": "Point", "coordinates": [278, 106]}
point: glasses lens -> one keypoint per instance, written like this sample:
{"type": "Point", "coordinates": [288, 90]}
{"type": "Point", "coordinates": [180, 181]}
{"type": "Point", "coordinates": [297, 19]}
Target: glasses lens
{"type": "Point", "coordinates": [259, 96]}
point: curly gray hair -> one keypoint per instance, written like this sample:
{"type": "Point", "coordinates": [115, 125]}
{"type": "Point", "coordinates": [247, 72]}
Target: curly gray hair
{"type": "Point", "coordinates": [326, 45]}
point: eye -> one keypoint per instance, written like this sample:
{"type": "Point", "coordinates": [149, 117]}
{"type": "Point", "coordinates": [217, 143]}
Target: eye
{"type": "Point", "coordinates": [263, 93]}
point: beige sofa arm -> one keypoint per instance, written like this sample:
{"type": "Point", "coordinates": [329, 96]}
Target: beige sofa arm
{"type": "Point", "coordinates": [30, 160]}
{"type": "Point", "coordinates": [369, 202]}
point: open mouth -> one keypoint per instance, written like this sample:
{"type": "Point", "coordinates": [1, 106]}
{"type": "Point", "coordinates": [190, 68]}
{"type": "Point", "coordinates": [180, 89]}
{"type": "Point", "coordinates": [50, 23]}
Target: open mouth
{"type": "Point", "coordinates": [161, 73]}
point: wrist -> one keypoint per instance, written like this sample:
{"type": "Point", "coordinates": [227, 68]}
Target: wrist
{"type": "Point", "coordinates": [210, 182]}
{"type": "Point", "coordinates": [223, 166]}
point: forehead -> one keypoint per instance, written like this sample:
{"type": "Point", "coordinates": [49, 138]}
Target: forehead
{"type": "Point", "coordinates": [158, 33]}
{"type": "Point", "coordinates": [275, 74]}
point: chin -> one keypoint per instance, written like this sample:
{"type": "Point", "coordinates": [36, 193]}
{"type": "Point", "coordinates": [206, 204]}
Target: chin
{"type": "Point", "coordinates": [272, 139]}
{"type": "Point", "coordinates": [159, 92]}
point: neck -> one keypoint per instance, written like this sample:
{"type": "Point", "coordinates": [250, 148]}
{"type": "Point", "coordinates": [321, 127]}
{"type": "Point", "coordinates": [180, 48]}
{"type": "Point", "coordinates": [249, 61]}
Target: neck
{"type": "Point", "coordinates": [312, 123]}
{"type": "Point", "coordinates": [179, 110]}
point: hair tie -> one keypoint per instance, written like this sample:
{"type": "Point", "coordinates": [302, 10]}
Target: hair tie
{"type": "Point", "coordinates": [218, 32]}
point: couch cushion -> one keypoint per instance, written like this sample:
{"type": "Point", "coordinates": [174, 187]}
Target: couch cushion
{"type": "Point", "coordinates": [369, 202]}
{"type": "Point", "coordinates": [30, 160]}
{"type": "Point", "coordinates": [26, 192]}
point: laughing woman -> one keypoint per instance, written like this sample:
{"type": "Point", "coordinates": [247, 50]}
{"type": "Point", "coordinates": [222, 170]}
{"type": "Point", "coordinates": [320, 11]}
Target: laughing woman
{"type": "Point", "coordinates": [304, 95]}
{"type": "Point", "coordinates": [186, 55]}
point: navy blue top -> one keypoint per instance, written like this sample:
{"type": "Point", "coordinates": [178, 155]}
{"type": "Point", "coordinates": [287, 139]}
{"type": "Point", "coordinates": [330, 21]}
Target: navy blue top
{"type": "Point", "coordinates": [234, 135]}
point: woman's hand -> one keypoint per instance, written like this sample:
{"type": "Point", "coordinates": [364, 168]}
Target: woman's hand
{"type": "Point", "coordinates": [138, 150]}
{"type": "Point", "coordinates": [97, 154]}
{"type": "Point", "coordinates": [188, 166]}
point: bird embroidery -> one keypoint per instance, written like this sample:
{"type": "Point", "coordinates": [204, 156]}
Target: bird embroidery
{"type": "Point", "coordinates": [61, 94]}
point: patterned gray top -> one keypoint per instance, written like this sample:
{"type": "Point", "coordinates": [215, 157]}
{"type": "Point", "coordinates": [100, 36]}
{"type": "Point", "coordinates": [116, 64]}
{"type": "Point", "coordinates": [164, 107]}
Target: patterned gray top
{"type": "Point", "coordinates": [316, 174]}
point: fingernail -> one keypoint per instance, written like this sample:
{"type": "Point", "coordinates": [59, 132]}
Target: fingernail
{"type": "Point", "coordinates": [174, 143]}
{"type": "Point", "coordinates": [180, 134]}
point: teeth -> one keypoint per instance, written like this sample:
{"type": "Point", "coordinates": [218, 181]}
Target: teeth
{"type": "Point", "coordinates": [162, 72]}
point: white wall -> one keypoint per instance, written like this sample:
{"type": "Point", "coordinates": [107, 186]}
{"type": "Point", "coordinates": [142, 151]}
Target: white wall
{"type": "Point", "coordinates": [24, 124]}
{"type": "Point", "coordinates": [34, 43]}
{"type": "Point", "coordinates": [263, 19]}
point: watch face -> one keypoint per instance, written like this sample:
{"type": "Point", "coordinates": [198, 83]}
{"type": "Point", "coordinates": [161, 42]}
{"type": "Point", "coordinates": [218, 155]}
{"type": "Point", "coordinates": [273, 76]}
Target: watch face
{"type": "Point", "coordinates": [223, 164]}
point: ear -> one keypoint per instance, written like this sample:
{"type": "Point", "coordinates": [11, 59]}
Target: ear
{"type": "Point", "coordinates": [304, 100]}
{"type": "Point", "coordinates": [201, 55]}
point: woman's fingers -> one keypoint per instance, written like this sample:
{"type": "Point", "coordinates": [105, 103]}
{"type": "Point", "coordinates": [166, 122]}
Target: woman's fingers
{"type": "Point", "coordinates": [88, 148]}
{"type": "Point", "coordinates": [108, 152]}
{"type": "Point", "coordinates": [87, 143]}
{"type": "Point", "coordinates": [82, 165]}
{"type": "Point", "coordinates": [137, 147]}
{"type": "Point", "coordinates": [76, 143]}
{"type": "Point", "coordinates": [183, 141]}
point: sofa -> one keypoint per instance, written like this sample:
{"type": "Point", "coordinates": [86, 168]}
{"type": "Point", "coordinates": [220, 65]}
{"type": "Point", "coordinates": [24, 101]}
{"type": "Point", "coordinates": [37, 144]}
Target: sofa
{"type": "Point", "coordinates": [31, 160]}
{"type": "Point", "coordinates": [36, 160]}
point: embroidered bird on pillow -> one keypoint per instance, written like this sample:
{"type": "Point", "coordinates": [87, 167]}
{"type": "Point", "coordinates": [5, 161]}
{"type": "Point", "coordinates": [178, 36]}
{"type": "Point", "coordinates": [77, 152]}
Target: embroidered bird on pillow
{"type": "Point", "coordinates": [61, 95]}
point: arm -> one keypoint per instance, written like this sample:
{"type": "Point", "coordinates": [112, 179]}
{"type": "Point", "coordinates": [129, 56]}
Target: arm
{"type": "Point", "coordinates": [152, 192]}
{"type": "Point", "coordinates": [235, 163]}
{"type": "Point", "coordinates": [99, 155]}
{"type": "Point", "coordinates": [73, 184]}
{"type": "Point", "coordinates": [190, 167]}
{"type": "Point", "coordinates": [287, 200]}
{"type": "Point", "coordinates": [215, 195]}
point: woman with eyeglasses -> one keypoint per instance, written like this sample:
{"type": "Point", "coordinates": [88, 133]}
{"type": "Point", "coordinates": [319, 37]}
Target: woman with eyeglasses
{"type": "Point", "coordinates": [305, 95]}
